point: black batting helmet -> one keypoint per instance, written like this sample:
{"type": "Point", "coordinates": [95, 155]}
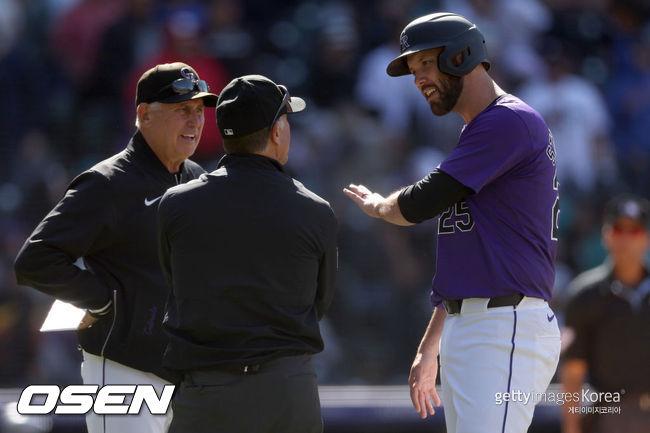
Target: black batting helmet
{"type": "Point", "coordinates": [453, 32]}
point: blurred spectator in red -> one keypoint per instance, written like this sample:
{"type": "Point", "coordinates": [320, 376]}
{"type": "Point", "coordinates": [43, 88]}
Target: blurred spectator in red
{"type": "Point", "coordinates": [75, 40]}
{"type": "Point", "coordinates": [76, 36]}
{"type": "Point", "coordinates": [184, 42]}
{"type": "Point", "coordinates": [125, 44]}
{"type": "Point", "coordinates": [134, 37]}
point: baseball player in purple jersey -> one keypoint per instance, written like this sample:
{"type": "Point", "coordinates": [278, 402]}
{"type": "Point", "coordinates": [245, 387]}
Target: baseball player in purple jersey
{"type": "Point", "coordinates": [497, 197]}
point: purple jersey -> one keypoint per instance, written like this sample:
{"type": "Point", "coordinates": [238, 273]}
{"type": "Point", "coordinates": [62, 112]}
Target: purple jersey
{"type": "Point", "coordinates": [502, 240]}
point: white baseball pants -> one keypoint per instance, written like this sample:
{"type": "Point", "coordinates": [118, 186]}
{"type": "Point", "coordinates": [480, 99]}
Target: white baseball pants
{"type": "Point", "coordinates": [102, 371]}
{"type": "Point", "coordinates": [488, 352]}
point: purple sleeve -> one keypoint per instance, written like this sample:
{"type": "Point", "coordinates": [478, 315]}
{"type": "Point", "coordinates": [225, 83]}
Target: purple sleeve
{"type": "Point", "coordinates": [488, 147]}
{"type": "Point", "coordinates": [436, 299]}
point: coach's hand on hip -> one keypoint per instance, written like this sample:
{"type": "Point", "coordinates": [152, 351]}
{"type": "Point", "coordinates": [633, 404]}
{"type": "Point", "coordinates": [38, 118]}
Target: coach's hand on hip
{"type": "Point", "coordinates": [422, 383]}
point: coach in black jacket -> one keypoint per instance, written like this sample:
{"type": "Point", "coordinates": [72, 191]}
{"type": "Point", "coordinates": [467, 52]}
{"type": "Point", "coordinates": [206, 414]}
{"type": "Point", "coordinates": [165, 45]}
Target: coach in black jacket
{"type": "Point", "coordinates": [108, 218]}
{"type": "Point", "coordinates": [251, 257]}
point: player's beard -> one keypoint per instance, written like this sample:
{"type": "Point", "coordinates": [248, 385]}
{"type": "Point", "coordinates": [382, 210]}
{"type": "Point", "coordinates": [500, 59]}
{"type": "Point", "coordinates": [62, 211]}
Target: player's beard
{"type": "Point", "coordinates": [449, 91]}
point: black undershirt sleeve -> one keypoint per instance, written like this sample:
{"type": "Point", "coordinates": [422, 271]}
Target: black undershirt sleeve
{"type": "Point", "coordinates": [430, 196]}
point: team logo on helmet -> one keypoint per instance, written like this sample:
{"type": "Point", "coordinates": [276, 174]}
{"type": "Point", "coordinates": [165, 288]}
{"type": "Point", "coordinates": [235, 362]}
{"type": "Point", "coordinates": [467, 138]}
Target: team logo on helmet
{"type": "Point", "coordinates": [404, 42]}
{"type": "Point", "coordinates": [187, 73]}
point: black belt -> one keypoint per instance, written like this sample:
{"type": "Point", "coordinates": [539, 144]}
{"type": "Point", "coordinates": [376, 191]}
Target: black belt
{"type": "Point", "coordinates": [289, 363]}
{"type": "Point", "coordinates": [453, 305]}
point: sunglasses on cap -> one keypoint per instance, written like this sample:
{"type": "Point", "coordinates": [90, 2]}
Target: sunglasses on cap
{"type": "Point", "coordinates": [283, 105]}
{"type": "Point", "coordinates": [620, 229]}
{"type": "Point", "coordinates": [182, 86]}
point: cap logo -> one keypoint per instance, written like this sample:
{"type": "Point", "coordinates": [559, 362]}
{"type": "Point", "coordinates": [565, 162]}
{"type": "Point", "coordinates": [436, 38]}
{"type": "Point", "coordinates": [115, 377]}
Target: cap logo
{"type": "Point", "coordinates": [187, 73]}
{"type": "Point", "coordinates": [404, 42]}
{"type": "Point", "coordinates": [228, 132]}
{"type": "Point", "coordinates": [631, 209]}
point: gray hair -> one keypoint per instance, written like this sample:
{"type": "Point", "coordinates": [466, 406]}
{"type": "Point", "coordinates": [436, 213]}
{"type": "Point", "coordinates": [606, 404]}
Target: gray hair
{"type": "Point", "coordinates": [153, 106]}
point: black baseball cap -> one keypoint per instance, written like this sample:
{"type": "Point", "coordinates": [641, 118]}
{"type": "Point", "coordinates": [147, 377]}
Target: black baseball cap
{"type": "Point", "coordinates": [173, 82]}
{"type": "Point", "coordinates": [628, 206]}
{"type": "Point", "coordinates": [251, 103]}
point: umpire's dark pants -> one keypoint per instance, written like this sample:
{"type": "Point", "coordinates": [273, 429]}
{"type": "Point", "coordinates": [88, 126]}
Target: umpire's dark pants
{"type": "Point", "coordinates": [280, 396]}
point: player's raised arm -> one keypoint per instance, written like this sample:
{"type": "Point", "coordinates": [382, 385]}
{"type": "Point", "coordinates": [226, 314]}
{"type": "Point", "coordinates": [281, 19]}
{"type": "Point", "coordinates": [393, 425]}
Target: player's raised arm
{"type": "Point", "coordinates": [376, 205]}
{"type": "Point", "coordinates": [411, 205]}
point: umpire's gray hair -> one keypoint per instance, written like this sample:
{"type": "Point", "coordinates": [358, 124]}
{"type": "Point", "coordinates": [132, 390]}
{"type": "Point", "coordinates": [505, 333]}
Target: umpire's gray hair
{"type": "Point", "coordinates": [153, 106]}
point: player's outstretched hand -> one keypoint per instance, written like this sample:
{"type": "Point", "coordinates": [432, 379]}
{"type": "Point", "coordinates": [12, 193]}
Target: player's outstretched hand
{"type": "Point", "coordinates": [422, 384]}
{"type": "Point", "coordinates": [367, 200]}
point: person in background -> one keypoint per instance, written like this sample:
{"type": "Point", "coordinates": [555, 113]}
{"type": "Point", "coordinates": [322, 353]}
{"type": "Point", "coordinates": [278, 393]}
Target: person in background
{"type": "Point", "coordinates": [607, 327]}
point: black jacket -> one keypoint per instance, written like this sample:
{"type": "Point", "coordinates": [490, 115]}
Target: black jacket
{"type": "Point", "coordinates": [108, 217]}
{"type": "Point", "coordinates": [251, 257]}
{"type": "Point", "coordinates": [611, 328]}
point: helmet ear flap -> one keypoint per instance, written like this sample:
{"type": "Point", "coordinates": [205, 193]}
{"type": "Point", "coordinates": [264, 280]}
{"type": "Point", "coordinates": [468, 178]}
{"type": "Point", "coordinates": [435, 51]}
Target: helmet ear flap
{"type": "Point", "coordinates": [453, 32]}
{"type": "Point", "coordinates": [449, 63]}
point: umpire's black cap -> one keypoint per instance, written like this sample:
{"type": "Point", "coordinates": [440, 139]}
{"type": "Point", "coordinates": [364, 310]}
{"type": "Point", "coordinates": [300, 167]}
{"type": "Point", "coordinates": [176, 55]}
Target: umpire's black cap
{"type": "Point", "coordinates": [251, 103]}
{"type": "Point", "coordinates": [628, 206]}
{"type": "Point", "coordinates": [173, 82]}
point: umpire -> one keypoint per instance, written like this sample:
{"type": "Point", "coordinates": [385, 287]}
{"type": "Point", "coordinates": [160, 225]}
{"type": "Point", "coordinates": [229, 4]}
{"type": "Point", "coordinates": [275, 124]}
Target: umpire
{"type": "Point", "coordinates": [107, 218]}
{"type": "Point", "coordinates": [607, 334]}
{"type": "Point", "coordinates": [251, 257]}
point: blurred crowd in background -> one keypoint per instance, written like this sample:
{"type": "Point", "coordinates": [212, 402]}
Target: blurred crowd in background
{"type": "Point", "coordinates": [68, 70]}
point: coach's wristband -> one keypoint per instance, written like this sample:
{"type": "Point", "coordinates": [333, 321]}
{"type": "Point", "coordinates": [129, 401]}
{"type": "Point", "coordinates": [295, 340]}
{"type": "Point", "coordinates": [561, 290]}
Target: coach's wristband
{"type": "Point", "coordinates": [99, 312]}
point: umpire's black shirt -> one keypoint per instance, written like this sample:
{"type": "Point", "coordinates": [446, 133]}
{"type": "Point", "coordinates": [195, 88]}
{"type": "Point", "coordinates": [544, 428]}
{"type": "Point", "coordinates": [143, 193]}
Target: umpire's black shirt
{"type": "Point", "coordinates": [611, 323]}
{"type": "Point", "coordinates": [251, 256]}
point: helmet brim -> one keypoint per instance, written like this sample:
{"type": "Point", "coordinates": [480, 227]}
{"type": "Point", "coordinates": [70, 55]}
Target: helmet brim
{"type": "Point", "coordinates": [398, 66]}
